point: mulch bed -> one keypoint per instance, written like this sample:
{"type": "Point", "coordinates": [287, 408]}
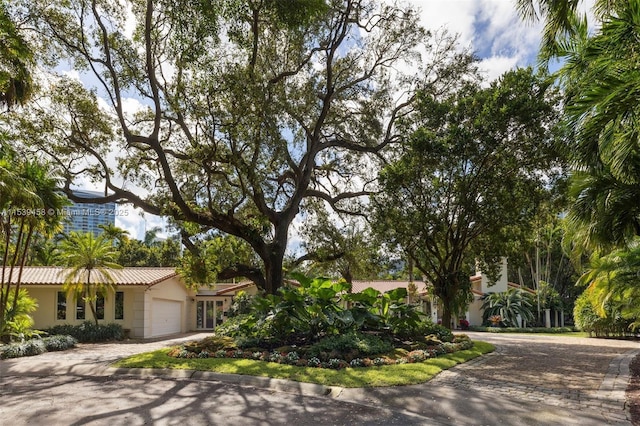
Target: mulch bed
{"type": "Point", "coordinates": [633, 391]}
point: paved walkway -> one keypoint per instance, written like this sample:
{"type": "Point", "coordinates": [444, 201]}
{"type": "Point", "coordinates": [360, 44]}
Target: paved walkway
{"type": "Point", "coordinates": [529, 380]}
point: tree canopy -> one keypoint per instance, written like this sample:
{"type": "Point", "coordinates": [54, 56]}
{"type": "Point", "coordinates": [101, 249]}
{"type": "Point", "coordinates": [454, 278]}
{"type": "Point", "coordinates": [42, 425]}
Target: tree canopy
{"type": "Point", "coordinates": [470, 180]}
{"type": "Point", "coordinates": [244, 110]}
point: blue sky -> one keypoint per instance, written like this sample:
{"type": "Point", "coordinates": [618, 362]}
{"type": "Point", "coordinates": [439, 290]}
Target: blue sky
{"type": "Point", "coordinates": [491, 28]}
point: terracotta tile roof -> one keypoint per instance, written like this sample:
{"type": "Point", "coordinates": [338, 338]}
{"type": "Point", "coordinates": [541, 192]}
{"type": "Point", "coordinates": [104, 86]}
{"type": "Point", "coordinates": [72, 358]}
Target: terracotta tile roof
{"type": "Point", "coordinates": [527, 289]}
{"type": "Point", "coordinates": [383, 286]}
{"type": "Point", "coordinates": [54, 275]}
{"type": "Point", "coordinates": [234, 288]}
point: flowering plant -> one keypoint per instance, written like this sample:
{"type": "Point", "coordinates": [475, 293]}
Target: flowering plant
{"type": "Point", "coordinates": [495, 320]}
{"type": "Point", "coordinates": [464, 324]}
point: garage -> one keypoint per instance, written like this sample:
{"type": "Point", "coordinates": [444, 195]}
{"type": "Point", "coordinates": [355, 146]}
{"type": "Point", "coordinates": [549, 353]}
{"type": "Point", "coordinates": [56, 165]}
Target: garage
{"type": "Point", "coordinates": [165, 317]}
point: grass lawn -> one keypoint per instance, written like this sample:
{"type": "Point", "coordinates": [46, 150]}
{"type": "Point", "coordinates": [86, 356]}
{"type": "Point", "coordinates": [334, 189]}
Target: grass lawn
{"type": "Point", "coordinates": [387, 375]}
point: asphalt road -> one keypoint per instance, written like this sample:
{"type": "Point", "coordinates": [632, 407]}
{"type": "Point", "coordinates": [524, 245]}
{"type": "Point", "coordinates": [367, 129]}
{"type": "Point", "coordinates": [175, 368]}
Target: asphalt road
{"type": "Point", "coordinates": [529, 380]}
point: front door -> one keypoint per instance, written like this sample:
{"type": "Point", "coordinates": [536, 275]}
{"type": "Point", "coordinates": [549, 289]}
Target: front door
{"type": "Point", "coordinates": [206, 315]}
{"type": "Point", "coordinates": [209, 313]}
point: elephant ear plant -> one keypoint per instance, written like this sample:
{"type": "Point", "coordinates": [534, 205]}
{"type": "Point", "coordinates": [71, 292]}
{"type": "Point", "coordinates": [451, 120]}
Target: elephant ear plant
{"type": "Point", "coordinates": [318, 308]}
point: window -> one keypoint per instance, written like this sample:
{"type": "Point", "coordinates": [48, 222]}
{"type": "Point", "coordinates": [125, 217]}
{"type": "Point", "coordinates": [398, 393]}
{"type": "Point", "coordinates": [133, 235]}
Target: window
{"type": "Point", "coordinates": [100, 306]}
{"type": "Point", "coordinates": [80, 308]}
{"type": "Point", "coordinates": [61, 311]}
{"type": "Point", "coordinates": [119, 305]}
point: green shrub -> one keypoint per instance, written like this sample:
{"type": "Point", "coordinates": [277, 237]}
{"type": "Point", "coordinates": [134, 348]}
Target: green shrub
{"type": "Point", "coordinates": [354, 343]}
{"type": "Point", "coordinates": [443, 334]}
{"type": "Point", "coordinates": [59, 342]}
{"type": "Point", "coordinates": [17, 324]}
{"type": "Point", "coordinates": [29, 348]}
{"type": "Point", "coordinates": [89, 332]}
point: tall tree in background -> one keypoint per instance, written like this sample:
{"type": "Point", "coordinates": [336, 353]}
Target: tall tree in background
{"type": "Point", "coordinates": [247, 109]}
{"type": "Point", "coordinates": [470, 180]}
{"type": "Point", "coordinates": [601, 81]}
{"type": "Point", "coordinates": [16, 60]}
{"type": "Point", "coordinates": [340, 248]}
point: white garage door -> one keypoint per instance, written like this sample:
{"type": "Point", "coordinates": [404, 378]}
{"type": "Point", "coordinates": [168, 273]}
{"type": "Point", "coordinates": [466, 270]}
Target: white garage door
{"type": "Point", "coordinates": [165, 317]}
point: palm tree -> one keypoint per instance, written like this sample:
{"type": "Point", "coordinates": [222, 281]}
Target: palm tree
{"type": "Point", "coordinates": [602, 110]}
{"type": "Point", "coordinates": [613, 282]}
{"type": "Point", "coordinates": [560, 20]}
{"type": "Point", "coordinates": [114, 233]}
{"type": "Point", "coordinates": [90, 260]}
{"type": "Point", "coordinates": [16, 58]}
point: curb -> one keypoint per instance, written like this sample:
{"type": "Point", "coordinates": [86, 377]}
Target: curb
{"type": "Point", "coordinates": [280, 385]}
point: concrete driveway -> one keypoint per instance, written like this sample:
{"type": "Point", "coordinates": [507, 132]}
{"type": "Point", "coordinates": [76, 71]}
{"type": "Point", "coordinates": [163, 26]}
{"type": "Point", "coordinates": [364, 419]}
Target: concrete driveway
{"type": "Point", "coordinates": [529, 380]}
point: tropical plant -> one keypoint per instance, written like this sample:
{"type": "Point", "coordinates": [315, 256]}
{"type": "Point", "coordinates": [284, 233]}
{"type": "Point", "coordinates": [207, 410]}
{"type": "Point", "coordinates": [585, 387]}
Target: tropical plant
{"type": "Point", "coordinates": [612, 281]}
{"type": "Point", "coordinates": [16, 61]}
{"type": "Point", "coordinates": [90, 261]}
{"type": "Point", "coordinates": [319, 307]}
{"type": "Point", "coordinates": [18, 323]}
{"type": "Point", "coordinates": [509, 305]}
{"type": "Point", "coordinates": [29, 200]}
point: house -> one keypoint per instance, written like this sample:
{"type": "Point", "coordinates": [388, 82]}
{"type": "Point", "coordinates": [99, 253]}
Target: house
{"type": "Point", "coordinates": [147, 301]}
{"type": "Point", "coordinates": [150, 302]}
{"type": "Point", "coordinates": [153, 302]}
{"type": "Point", "coordinates": [480, 285]}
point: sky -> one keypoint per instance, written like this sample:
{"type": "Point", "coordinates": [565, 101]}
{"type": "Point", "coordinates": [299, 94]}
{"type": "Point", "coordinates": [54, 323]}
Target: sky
{"type": "Point", "coordinates": [491, 28]}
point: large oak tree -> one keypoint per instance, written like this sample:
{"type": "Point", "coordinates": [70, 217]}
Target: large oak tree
{"type": "Point", "coordinates": [247, 108]}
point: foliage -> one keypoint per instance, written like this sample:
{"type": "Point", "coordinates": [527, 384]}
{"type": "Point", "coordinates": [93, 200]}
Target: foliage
{"type": "Point", "coordinates": [37, 346]}
{"type": "Point", "coordinates": [248, 109]}
{"type": "Point", "coordinates": [27, 348]}
{"type": "Point", "coordinates": [319, 307]}
{"type": "Point", "coordinates": [599, 320]}
{"type": "Point", "coordinates": [612, 298]}
{"type": "Point", "coordinates": [132, 252]}
{"type": "Point", "coordinates": [241, 304]}
{"type": "Point", "coordinates": [18, 322]}
{"type": "Point", "coordinates": [355, 343]}
{"type": "Point", "coordinates": [602, 79]}
{"type": "Point", "coordinates": [59, 342]}
{"type": "Point", "coordinates": [342, 248]}
{"type": "Point", "coordinates": [508, 306]}
{"type": "Point", "coordinates": [27, 194]}
{"type": "Point", "coordinates": [16, 61]}
{"type": "Point", "coordinates": [90, 261]}
{"type": "Point", "coordinates": [472, 153]}
{"type": "Point", "coordinates": [387, 375]}
{"type": "Point", "coordinates": [89, 332]}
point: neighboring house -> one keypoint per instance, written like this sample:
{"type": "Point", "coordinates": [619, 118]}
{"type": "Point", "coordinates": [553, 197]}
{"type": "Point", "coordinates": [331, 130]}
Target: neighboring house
{"type": "Point", "coordinates": [150, 302]}
{"type": "Point", "coordinates": [480, 285]}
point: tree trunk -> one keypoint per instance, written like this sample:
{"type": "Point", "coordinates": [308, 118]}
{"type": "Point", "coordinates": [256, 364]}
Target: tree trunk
{"type": "Point", "coordinates": [273, 269]}
{"type": "Point", "coordinates": [22, 263]}
{"type": "Point", "coordinates": [446, 316]}
{"type": "Point", "coordinates": [91, 298]}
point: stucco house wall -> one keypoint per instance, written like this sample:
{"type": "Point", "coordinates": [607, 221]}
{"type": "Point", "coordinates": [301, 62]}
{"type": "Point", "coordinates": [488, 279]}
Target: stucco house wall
{"type": "Point", "coordinates": [140, 288]}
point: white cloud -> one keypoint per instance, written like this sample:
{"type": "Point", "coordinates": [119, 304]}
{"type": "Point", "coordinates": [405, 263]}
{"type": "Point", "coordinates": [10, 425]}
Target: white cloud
{"type": "Point", "coordinates": [457, 16]}
{"type": "Point", "coordinates": [495, 66]}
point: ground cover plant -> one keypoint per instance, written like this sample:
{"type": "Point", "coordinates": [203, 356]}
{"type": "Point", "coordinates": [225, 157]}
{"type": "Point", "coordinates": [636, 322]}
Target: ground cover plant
{"type": "Point", "coordinates": [383, 375]}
